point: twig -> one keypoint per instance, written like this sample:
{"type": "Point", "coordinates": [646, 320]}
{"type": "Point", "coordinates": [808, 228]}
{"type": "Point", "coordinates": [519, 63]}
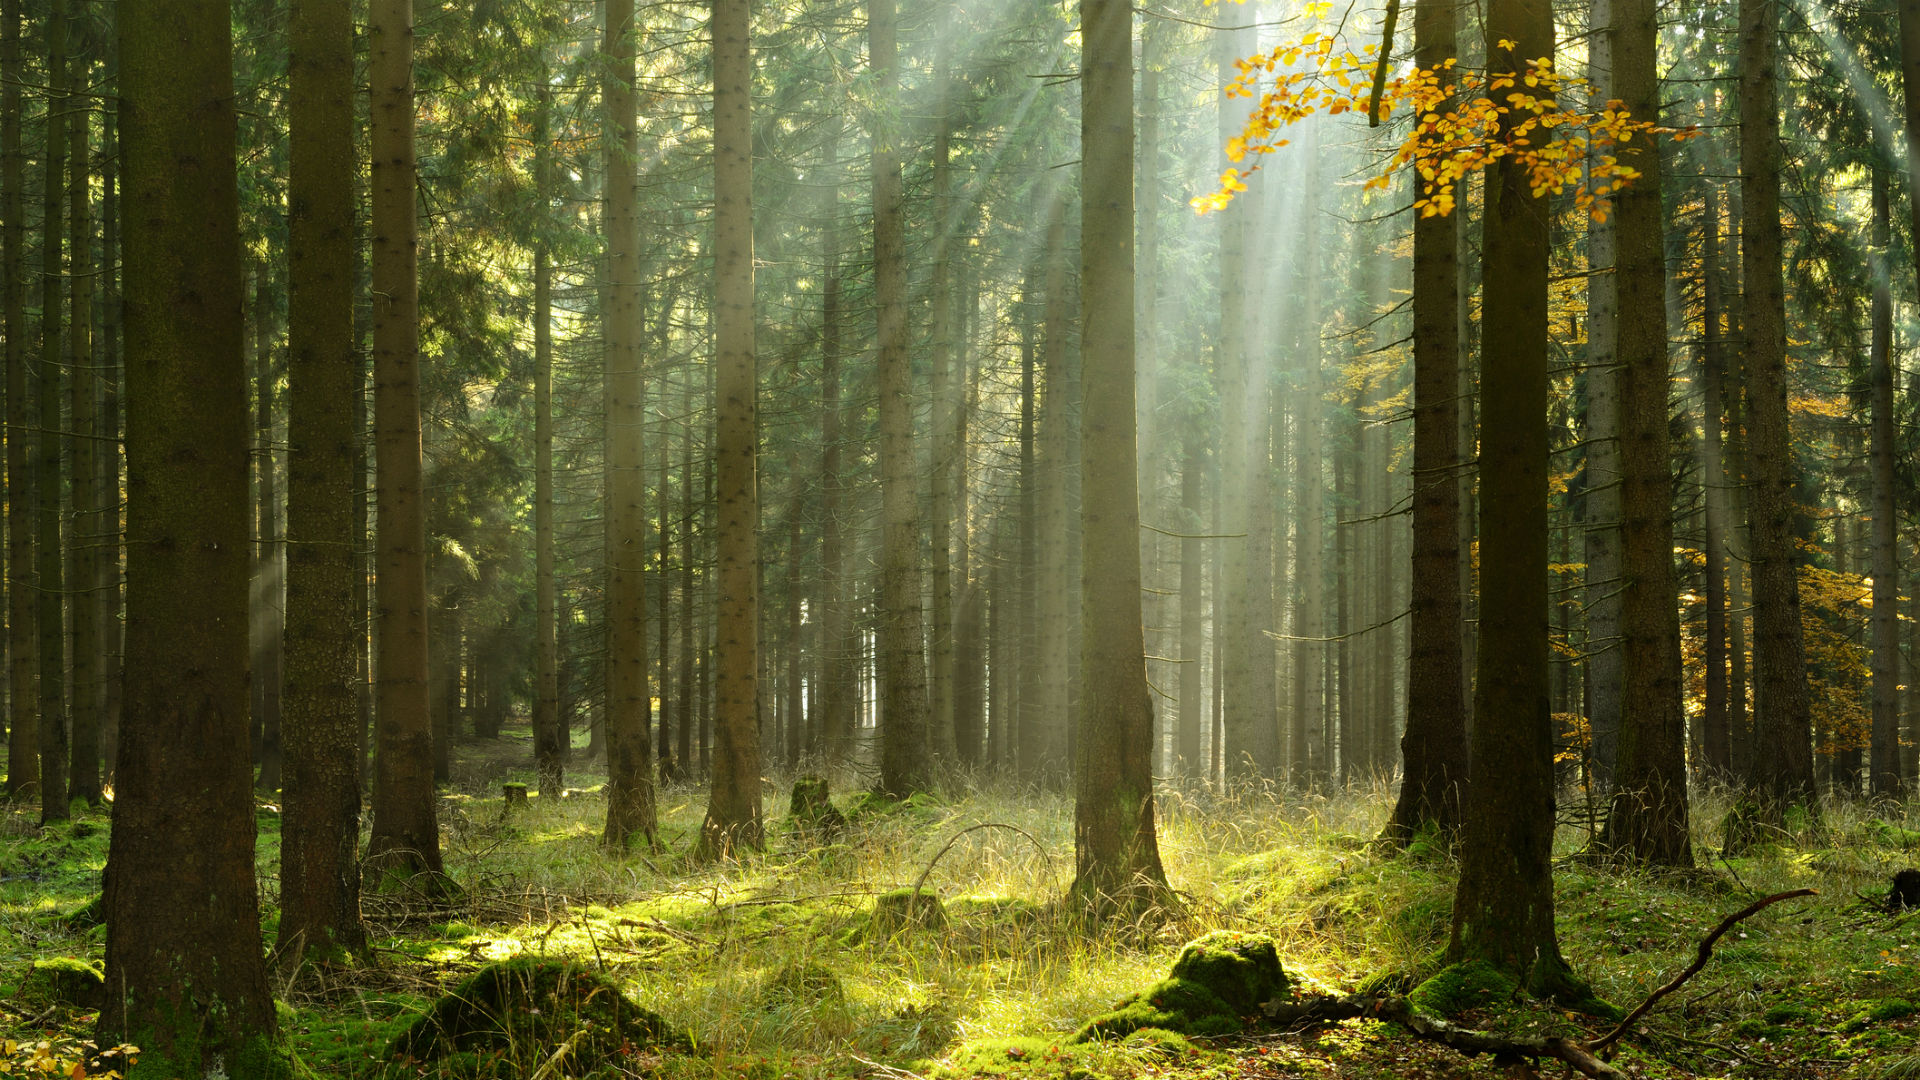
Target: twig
{"type": "Point", "coordinates": [955, 838]}
{"type": "Point", "coordinates": [1601, 1044]}
{"type": "Point", "coordinates": [552, 1064]}
{"type": "Point", "coordinates": [1465, 1040]}
{"type": "Point", "coordinates": [891, 1071]}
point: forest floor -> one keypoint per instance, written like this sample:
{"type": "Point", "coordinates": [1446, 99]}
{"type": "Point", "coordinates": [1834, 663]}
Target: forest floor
{"type": "Point", "coordinates": [1822, 987]}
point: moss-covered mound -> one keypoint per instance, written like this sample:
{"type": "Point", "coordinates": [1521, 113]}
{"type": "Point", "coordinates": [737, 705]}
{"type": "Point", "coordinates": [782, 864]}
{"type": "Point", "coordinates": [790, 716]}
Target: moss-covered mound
{"type": "Point", "coordinates": [64, 980]}
{"type": "Point", "coordinates": [1216, 982]}
{"type": "Point", "coordinates": [514, 1014]}
{"type": "Point", "coordinates": [802, 983]}
{"type": "Point", "coordinates": [811, 812]}
{"type": "Point", "coordinates": [905, 909]}
{"type": "Point", "coordinates": [1473, 985]}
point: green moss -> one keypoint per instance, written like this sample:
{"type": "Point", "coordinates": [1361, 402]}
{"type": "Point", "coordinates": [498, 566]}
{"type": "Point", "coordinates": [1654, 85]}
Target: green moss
{"type": "Point", "coordinates": [65, 980]}
{"type": "Point", "coordinates": [1790, 1013]}
{"type": "Point", "coordinates": [256, 1058]}
{"type": "Point", "coordinates": [1180, 1005]}
{"type": "Point", "coordinates": [904, 909]}
{"type": "Point", "coordinates": [1017, 1057]}
{"type": "Point", "coordinates": [1472, 985]}
{"type": "Point", "coordinates": [1879, 1012]}
{"type": "Point", "coordinates": [1161, 1041]}
{"type": "Point", "coordinates": [801, 983]}
{"type": "Point", "coordinates": [1241, 969]}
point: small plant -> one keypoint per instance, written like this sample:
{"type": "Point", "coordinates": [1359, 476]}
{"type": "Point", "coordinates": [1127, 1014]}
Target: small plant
{"type": "Point", "coordinates": [65, 1057]}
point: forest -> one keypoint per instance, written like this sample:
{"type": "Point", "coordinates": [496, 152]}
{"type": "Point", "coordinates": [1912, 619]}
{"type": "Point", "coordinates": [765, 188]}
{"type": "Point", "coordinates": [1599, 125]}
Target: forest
{"type": "Point", "coordinates": [927, 539]}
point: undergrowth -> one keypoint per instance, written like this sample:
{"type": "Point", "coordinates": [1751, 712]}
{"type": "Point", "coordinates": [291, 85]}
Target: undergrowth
{"type": "Point", "coordinates": [770, 968]}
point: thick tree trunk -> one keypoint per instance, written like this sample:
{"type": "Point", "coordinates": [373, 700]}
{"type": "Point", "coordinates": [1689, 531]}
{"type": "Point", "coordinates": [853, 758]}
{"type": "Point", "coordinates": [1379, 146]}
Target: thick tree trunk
{"type": "Point", "coordinates": [320, 834]}
{"type": "Point", "coordinates": [1433, 750]}
{"type": "Point", "coordinates": [48, 580]}
{"type": "Point", "coordinates": [1503, 906]}
{"type": "Point", "coordinates": [406, 834]}
{"type": "Point", "coordinates": [1605, 583]}
{"type": "Point", "coordinates": [23, 736]}
{"type": "Point", "coordinates": [1884, 766]}
{"type": "Point", "coordinates": [626, 720]}
{"type": "Point", "coordinates": [1117, 857]}
{"type": "Point", "coordinates": [183, 926]}
{"type": "Point", "coordinates": [1648, 818]}
{"type": "Point", "coordinates": [733, 812]}
{"type": "Point", "coordinates": [1781, 770]}
{"type": "Point", "coordinates": [904, 766]}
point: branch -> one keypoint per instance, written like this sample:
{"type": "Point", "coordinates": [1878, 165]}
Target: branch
{"type": "Point", "coordinates": [1380, 67]}
{"type": "Point", "coordinates": [1466, 1040]}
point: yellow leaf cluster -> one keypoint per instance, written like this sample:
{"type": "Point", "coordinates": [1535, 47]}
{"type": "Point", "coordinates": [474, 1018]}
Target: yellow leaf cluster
{"type": "Point", "coordinates": [1458, 123]}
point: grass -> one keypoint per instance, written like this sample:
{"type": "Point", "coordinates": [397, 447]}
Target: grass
{"type": "Point", "coordinates": [769, 967]}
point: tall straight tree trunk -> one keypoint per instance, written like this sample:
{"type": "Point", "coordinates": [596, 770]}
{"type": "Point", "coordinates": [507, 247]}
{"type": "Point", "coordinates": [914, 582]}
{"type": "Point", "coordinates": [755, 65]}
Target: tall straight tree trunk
{"type": "Point", "coordinates": [110, 428]}
{"type": "Point", "coordinates": [795, 707]}
{"type": "Point", "coordinates": [1190, 749]}
{"type": "Point", "coordinates": [84, 541]}
{"type": "Point", "coordinates": [547, 757]}
{"type": "Point", "coordinates": [1051, 455]}
{"type": "Point", "coordinates": [268, 577]}
{"type": "Point", "coordinates": [1117, 857]}
{"type": "Point", "coordinates": [1716, 723]}
{"type": "Point", "coordinates": [1309, 574]}
{"type": "Point", "coordinates": [1433, 749]}
{"type": "Point", "coordinates": [183, 922]}
{"type": "Point", "coordinates": [1503, 906]}
{"type": "Point", "coordinates": [23, 735]}
{"type": "Point", "coordinates": [1781, 772]}
{"type": "Point", "coordinates": [1025, 744]}
{"type": "Point", "coordinates": [904, 767]}
{"type": "Point", "coordinates": [1648, 820]}
{"type": "Point", "coordinates": [969, 619]}
{"type": "Point", "coordinates": [670, 768]}
{"type": "Point", "coordinates": [945, 415]}
{"type": "Point", "coordinates": [837, 688]}
{"type": "Point", "coordinates": [733, 811]}
{"type": "Point", "coordinates": [406, 834]}
{"type": "Point", "coordinates": [626, 720]}
{"type": "Point", "coordinates": [1604, 576]}
{"type": "Point", "coordinates": [689, 601]}
{"type": "Point", "coordinates": [48, 580]}
{"type": "Point", "coordinates": [319, 857]}
{"type": "Point", "coordinates": [1884, 766]}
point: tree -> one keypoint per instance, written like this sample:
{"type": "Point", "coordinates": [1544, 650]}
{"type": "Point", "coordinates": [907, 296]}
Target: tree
{"type": "Point", "coordinates": [86, 670]}
{"type": "Point", "coordinates": [48, 578]}
{"type": "Point", "coordinates": [1648, 817]}
{"type": "Point", "coordinates": [547, 733]}
{"type": "Point", "coordinates": [1883, 624]}
{"type": "Point", "coordinates": [1433, 748]}
{"type": "Point", "coordinates": [630, 808]}
{"type": "Point", "coordinates": [1781, 771]}
{"type": "Point", "coordinates": [1503, 905]}
{"type": "Point", "coordinates": [23, 736]}
{"type": "Point", "coordinates": [1117, 857]}
{"type": "Point", "coordinates": [904, 765]}
{"type": "Point", "coordinates": [406, 836]}
{"type": "Point", "coordinates": [733, 811]}
{"type": "Point", "coordinates": [190, 991]}
{"type": "Point", "coordinates": [320, 833]}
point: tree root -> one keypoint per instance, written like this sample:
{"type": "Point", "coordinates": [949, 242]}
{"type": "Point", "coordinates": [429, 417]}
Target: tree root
{"type": "Point", "coordinates": [1588, 1058]}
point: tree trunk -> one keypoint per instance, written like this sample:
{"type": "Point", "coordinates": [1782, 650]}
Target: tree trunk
{"type": "Point", "coordinates": [548, 760]}
{"type": "Point", "coordinates": [1781, 772]}
{"type": "Point", "coordinates": [320, 831]}
{"type": "Point", "coordinates": [1716, 725]}
{"type": "Point", "coordinates": [1190, 748]}
{"type": "Point", "coordinates": [48, 582]}
{"type": "Point", "coordinates": [23, 737]}
{"type": "Point", "coordinates": [1647, 821]}
{"type": "Point", "coordinates": [268, 577]}
{"type": "Point", "coordinates": [626, 720]}
{"type": "Point", "coordinates": [1025, 745]}
{"type": "Point", "coordinates": [733, 812]}
{"type": "Point", "coordinates": [1433, 750]}
{"type": "Point", "coordinates": [689, 599]}
{"type": "Point", "coordinates": [836, 650]}
{"type": "Point", "coordinates": [190, 991]}
{"type": "Point", "coordinates": [83, 541]}
{"type": "Point", "coordinates": [1052, 580]}
{"type": "Point", "coordinates": [1117, 857]}
{"type": "Point", "coordinates": [110, 428]}
{"type": "Point", "coordinates": [903, 671]}
{"type": "Point", "coordinates": [945, 414]}
{"type": "Point", "coordinates": [406, 834]}
{"type": "Point", "coordinates": [1503, 906]}
{"type": "Point", "coordinates": [1884, 766]}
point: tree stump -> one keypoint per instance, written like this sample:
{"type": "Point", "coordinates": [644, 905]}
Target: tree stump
{"type": "Point", "coordinates": [812, 813]}
{"type": "Point", "coordinates": [515, 795]}
{"type": "Point", "coordinates": [1905, 892]}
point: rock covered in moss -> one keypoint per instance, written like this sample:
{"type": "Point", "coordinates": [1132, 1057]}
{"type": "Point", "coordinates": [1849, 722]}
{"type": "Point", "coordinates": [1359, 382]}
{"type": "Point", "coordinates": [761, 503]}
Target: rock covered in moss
{"type": "Point", "coordinates": [1472, 985]}
{"type": "Point", "coordinates": [65, 980]}
{"type": "Point", "coordinates": [525, 1008]}
{"type": "Point", "coordinates": [1217, 981]}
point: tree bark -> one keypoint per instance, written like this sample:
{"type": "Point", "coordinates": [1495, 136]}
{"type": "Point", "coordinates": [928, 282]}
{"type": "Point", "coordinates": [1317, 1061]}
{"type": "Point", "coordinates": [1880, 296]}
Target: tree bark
{"type": "Point", "coordinates": [733, 812]}
{"type": "Point", "coordinates": [1884, 764]}
{"type": "Point", "coordinates": [48, 578]}
{"type": "Point", "coordinates": [1117, 857]}
{"type": "Point", "coordinates": [23, 736]}
{"type": "Point", "coordinates": [1051, 579]}
{"type": "Point", "coordinates": [836, 649]}
{"type": "Point", "coordinates": [1503, 905]}
{"type": "Point", "coordinates": [83, 541]}
{"type": "Point", "coordinates": [1716, 723]}
{"type": "Point", "coordinates": [1605, 583]}
{"type": "Point", "coordinates": [1781, 772]}
{"type": "Point", "coordinates": [268, 576]}
{"type": "Point", "coordinates": [627, 719]}
{"type": "Point", "coordinates": [904, 767]}
{"type": "Point", "coordinates": [549, 762]}
{"type": "Point", "coordinates": [183, 928]}
{"type": "Point", "coordinates": [406, 834]}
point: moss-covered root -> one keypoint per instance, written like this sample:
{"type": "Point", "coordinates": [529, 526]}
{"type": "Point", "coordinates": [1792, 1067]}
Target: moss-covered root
{"type": "Point", "coordinates": [526, 1007]}
{"type": "Point", "coordinates": [1476, 984]}
{"type": "Point", "coordinates": [1216, 982]}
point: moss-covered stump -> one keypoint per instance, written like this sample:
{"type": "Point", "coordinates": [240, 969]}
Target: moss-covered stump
{"type": "Point", "coordinates": [1904, 893]}
{"type": "Point", "coordinates": [64, 980]}
{"type": "Point", "coordinates": [1475, 984]}
{"type": "Point", "coordinates": [1217, 981]}
{"type": "Point", "coordinates": [512, 1016]}
{"type": "Point", "coordinates": [905, 909]}
{"type": "Point", "coordinates": [811, 812]}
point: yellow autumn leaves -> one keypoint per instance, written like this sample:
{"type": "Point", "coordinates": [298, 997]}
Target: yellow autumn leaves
{"type": "Point", "coordinates": [1458, 126]}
